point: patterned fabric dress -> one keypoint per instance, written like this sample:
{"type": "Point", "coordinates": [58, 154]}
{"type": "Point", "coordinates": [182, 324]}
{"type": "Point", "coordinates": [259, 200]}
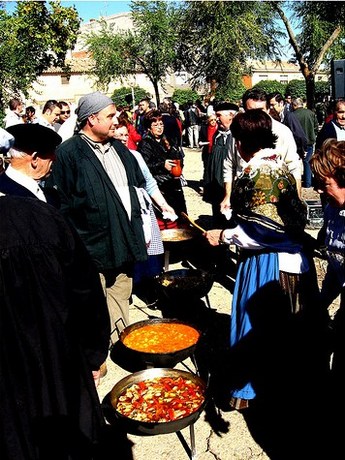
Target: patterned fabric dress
{"type": "Point", "coordinates": [266, 193]}
{"type": "Point", "coordinates": [267, 208]}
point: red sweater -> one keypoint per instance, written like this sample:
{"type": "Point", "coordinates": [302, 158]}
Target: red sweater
{"type": "Point", "coordinates": [211, 130]}
{"type": "Point", "coordinates": [134, 138]}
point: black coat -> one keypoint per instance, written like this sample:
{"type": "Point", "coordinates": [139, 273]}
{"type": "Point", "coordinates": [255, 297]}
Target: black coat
{"type": "Point", "coordinates": [292, 122]}
{"type": "Point", "coordinates": [172, 130]}
{"type": "Point", "coordinates": [214, 174]}
{"type": "Point", "coordinates": [91, 203]}
{"type": "Point", "coordinates": [155, 155]}
{"type": "Point", "coordinates": [326, 132]}
{"type": "Point", "coordinates": [54, 331]}
{"type": "Point", "coordinates": [10, 187]}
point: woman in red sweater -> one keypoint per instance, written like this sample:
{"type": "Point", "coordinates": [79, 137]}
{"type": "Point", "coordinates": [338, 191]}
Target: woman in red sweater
{"type": "Point", "coordinates": [134, 137]}
{"type": "Point", "coordinates": [207, 134]}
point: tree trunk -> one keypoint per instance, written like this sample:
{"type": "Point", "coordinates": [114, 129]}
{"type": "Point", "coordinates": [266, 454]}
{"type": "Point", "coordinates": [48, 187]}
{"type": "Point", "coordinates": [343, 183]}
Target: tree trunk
{"type": "Point", "coordinates": [155, 86]}
{"type": "Point", "coordinates": [309, 76]}
{"type": "Point", "coordinates": [213, 85]}
{"type": "Point", "coordinates": [310, 90]}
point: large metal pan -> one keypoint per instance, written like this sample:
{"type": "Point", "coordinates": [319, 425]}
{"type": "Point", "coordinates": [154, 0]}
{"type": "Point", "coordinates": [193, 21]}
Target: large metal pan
{"type": "Point", "coordinates": [157, 359]}
{"type": "Point", "coordinates": [146, 428]}
{"type": "Point", "coordinates": [177, 235]}
{"type": "Point", "coordinates": [185, 283]}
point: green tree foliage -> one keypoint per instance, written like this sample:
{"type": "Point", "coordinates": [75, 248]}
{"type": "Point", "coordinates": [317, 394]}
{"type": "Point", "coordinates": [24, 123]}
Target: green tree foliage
{"type": "Point", "coordinates": [218, 38]}
{"type": "Point", "coordinates": [181, 96]}
{"type": "Point", "coordinates": [296, 88]}
{"type": "Point", "coordinates": [322, 36]}
{"type": "Point", "coordinates": [124, 96]}
{"type": "Point", "coordinates": [271, 86]}
{"type": "Point", "coordinates": [231, 93]}
{"type": "Point", "coordinates": [32, 39]}
{"type": "Point", "coordinates": [148, 49]}
{"type": "Point", "coordinates": [322, 89]}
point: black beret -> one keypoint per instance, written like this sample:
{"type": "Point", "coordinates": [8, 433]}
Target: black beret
{"type": "Point", "coordinates": [226, 106]}
{"type": "Point", "coordinates": [31, 138]}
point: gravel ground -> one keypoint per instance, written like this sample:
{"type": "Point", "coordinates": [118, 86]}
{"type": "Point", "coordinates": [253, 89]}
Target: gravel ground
{"type": "Point", "coordinates": [220, 434]}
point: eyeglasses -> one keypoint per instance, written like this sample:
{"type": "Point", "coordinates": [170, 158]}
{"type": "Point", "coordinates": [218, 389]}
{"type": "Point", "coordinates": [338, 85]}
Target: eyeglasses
{"type": "Point", "coordinates": [157, 125]}
{"type": "Point", "coordinates": [63, 112]}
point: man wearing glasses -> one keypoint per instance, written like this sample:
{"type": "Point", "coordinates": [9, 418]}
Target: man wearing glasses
{"type": "Point", "coordinates": [65, 113]}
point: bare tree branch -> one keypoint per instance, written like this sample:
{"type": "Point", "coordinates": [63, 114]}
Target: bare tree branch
{"type": "Point", "coordinates": [292, 38]}
{"type": "Point", "coordinates": [326, 47]}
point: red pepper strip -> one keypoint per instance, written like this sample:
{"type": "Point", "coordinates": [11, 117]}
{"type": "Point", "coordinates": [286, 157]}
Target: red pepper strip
{"type": "Point", "coordinates": [142, 386]}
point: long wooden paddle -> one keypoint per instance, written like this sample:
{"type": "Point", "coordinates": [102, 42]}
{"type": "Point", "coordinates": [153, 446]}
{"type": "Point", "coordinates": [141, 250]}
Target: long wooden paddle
{"type": "Point", "coordinates": [191, 221]}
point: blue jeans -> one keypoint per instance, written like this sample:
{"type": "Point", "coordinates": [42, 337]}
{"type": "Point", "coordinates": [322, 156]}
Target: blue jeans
{"type": "Point", "coordinates": [307, 175]}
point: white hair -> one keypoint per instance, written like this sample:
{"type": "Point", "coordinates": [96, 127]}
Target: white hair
{"type": "Point", "coordinates": [14, 153]}
{"type": "Point", "coordinates": [297, 102]}
{"type": "Point", "coordinates": [227, 112]}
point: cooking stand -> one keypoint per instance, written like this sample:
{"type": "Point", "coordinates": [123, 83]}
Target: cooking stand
{"type": "Point", "coordinates": [174, 239]}
{"type": "Point", "coordinates": [191, 426]}
{"type": "Point", "coordinates": [191, 450]}
{"type": "Point", "coordinates": [166, 259]}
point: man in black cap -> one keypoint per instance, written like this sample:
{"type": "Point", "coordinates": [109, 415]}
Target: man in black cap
{"type": "Point", "coordinates": [50, 360]}
{"type": "Point", "coordinates": [31, 157]}
{"type": "Point", "coordinates": [96, 178]}
{"type": "Point", "coordinates": [214, 179]}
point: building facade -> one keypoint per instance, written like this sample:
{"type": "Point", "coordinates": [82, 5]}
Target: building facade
{"type": "Point", "coordinates": [282, 71]}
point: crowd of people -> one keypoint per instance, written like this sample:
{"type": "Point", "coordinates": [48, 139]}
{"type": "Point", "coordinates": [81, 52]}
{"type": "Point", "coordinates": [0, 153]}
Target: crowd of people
{"type": "Point", "coordinates": [84, 195]}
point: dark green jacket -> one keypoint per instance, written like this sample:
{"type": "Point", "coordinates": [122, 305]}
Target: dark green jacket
{"type": "Point", "coordinates": [214, 173]}
{"type": "Point", "coordinates": [91, 203]}
{"type": "Point", "coordinates": [310, 125]}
